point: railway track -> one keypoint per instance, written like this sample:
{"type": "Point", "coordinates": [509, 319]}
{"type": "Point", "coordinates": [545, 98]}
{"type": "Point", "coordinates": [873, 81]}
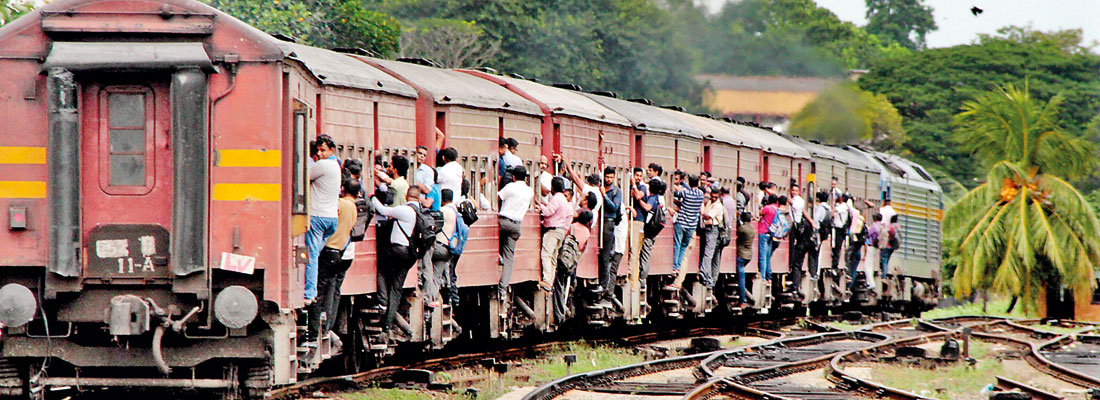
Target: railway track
{"type": "Point", "coordinates": [810, 365]}
{"type": "Point", "coordinates": [768, 329]}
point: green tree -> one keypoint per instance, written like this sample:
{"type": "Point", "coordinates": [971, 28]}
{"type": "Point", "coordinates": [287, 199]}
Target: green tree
{"type": "Point", "coordinates": [13, 9]}
{"type": "Point", "coordinates": [844, 114]}
{"type": "Point", "coordinates": [321, 23]}
{"type": "Point", "coordinates": [928, 87]}
{"type": "Point", "coordinates": [627, 46]}
{"type": "Point", "coordinates": [905, 22]}
{"type": "Point", "coordinates": [1025, 230]}
{"type": "Point", "coordinates": [449, 42]}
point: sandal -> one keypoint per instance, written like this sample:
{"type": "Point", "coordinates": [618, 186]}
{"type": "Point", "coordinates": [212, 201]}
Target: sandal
{"type": "Point", "coordinates": [545, 286]}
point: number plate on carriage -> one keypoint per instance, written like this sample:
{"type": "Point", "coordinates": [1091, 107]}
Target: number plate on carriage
{"type": "Point", "coordinates": [121, 251]}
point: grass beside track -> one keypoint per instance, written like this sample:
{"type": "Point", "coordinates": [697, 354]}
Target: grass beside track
{"type": "Point", "coordinates": [994, 308]}
{"type": "Point", "coordinates": [956, 381]}
{"type": "Point", "coordinates": [547, 367]}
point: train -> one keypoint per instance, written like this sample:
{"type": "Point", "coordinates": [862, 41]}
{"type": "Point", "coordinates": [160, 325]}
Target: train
{"type": "Point", "coordinates": [154, 174]}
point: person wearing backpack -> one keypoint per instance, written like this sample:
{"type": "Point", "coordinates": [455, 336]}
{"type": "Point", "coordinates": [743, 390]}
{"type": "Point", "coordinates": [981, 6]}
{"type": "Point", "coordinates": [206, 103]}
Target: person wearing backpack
{"type": "Point", "coordinates": [332, 267]}
{"type": "Point", "coordinates": [841, 223]}
{"type": "Point", "coordinates": [441, 249]}
{"type": "Point", "coordinates": [773, 225]}
{"type": "Point", "coordinates": [824, 219]}
{"type": "Point", "coordinates": [398, 253]}
{"type": "Point", "coordinates": [515, 199]}
{"type": "Point", "coordinates": [653, 223]}
{"type": "Point", "coordinates": [856, 238]}
{"type": "Point", "coordinates": [572, 247]}
{"type": "Point", "coordinates": [889, 240]}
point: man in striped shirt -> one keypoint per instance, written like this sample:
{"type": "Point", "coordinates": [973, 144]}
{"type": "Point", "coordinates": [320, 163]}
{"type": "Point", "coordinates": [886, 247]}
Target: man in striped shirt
{"type": "Point", "coordinates": [687, 219]}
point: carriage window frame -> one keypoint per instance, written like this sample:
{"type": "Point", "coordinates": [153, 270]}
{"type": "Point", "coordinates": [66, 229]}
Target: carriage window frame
{"type": "Point", "coordinates": [107, 129]}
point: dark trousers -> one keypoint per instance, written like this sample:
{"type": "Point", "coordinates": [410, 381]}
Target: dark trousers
{"type": "Point", "coordinates": [838, 245]}
{"type": "Point", "coordinates": [798, 254]}
{"type": "Point", "coordinates": [331, 270]}
{"type": "Point", "coordinates": [853, 255]}
{"type": "Point", "coordinates": [884, 259]}
{"type": "Point", "coordinates": [452, 280]}
{"type": "Point", "coordinates": [509, 235]}
{"type": "Point", "coordinates": [643, 261]}
{"type": "Point", "coordinates": [392, 270]}
{"type": "Point", "coordinates": [607, 246]}
{"type": "Point", "coordinates": [564, 282]}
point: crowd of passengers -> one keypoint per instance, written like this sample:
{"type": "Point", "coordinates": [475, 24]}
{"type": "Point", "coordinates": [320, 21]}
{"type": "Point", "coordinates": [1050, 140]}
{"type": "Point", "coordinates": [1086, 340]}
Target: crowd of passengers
{"type": "Point", "coordinates": [428, 219]}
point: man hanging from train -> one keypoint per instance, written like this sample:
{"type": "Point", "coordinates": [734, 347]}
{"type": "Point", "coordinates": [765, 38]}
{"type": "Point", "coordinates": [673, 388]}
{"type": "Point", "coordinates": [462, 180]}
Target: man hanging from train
{"type": "Point", "coordinates": [507, 160]}
{"type": "Point", "coordinates": [612, 215]}
{"type": "Point", "coordinates": [324, 189]}
{"type": "Point", "coordinates": [556, 216]}
{"type": "Point", "coordinates": [687, 206]}
{"type": "Point", "coordinates": [515, 199]}
{"type": "Point", "coordinates": [800, 239]}
{"type": "Point", "coordinates": [332, 267]}
{"type": "Point", "coordinates": [397, 253]}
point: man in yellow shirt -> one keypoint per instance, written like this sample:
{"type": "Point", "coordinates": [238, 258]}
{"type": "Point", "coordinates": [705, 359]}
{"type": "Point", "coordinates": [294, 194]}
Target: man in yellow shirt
{"type": "Point", "coordinates": [332, 266]}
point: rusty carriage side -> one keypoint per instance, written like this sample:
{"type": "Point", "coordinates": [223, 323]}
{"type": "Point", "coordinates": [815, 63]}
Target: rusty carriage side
{"type": "Point", "coordinates": [473, 114]}
{"type": "Point", "coordinates": [590, 136]}
{"type": "Point", "coordinates": [658, 138]}
{"type": "Point", "coordinates": [148, 160]}
{"type": "Point", "coordinates": [359, 106]}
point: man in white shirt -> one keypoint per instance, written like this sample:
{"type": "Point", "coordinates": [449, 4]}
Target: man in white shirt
{"type": "Point", "coordinates": [398, 256]}
{"type": "Point", "coordinates": [841, 215]}
{"type": "Point", "coordinates": [887, 210]}
{"type": "Point", "coordinates": [515, 200]}
{"type": "Point", "coordinates": [822, 213]}
{"type": "Point", "coordinates": [324, 192]}
{"type": "Point", "coordinates": [450, 174]}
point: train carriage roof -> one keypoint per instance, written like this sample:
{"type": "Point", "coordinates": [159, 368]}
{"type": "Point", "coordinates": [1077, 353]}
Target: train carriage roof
{"type": "Point", "coordinates": [856, 160]}
{"type": "Point", "coordinates": [717, 130]}
{"type": "Point", "coordinates": [332, 68]}
{"type": "Point", "coordinates": [567, 102]}
{"type": "Point", "coordinates": [896, 167]}
{"type": "Point", "coordinates": [817, 150]}
{"type": "Point", "coordinates": [773, 142]}
{"type": "Point", "coordinates": [646, 117]}
{"type": "Point", "coordinates": [449, 87]}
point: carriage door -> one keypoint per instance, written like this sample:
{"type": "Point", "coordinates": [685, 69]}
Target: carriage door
{"type": "Point", "coordinates": [127, 180]}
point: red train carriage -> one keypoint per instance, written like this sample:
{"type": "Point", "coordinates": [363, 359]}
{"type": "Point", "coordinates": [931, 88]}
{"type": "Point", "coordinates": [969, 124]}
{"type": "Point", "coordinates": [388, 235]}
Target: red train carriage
{"type": "Point", "coordinates": [149, 151]}
{"type": "Point", "coordinates": [657, 138]}
{"type": "Point", "coordinates": [474, 114]}
{"type": "Point", "coordinates": [589, 135]}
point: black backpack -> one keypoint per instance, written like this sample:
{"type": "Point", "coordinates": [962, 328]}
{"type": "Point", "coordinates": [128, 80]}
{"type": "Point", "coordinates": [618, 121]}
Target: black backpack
{"type": "Point", "coordinates": [655, 223]}
{"type": "Point", "coordinates": [468, 212]}
{"type": "Point", "coordinates": [362, 222]}
{"type": "Point", "coordinates": [428, 225]}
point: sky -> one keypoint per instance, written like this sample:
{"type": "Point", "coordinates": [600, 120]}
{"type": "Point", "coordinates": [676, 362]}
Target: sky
{"type": "Point", "coordinates": [958, 26]}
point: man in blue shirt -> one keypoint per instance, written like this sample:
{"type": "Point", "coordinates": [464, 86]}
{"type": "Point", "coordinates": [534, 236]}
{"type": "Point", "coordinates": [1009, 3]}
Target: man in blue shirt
{"type": "Point", "coordinates": [612, 207]}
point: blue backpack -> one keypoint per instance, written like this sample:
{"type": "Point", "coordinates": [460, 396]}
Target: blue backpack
{"type": "Point", "coordinates": [457, 243]}
{"type": "Point", "coordinates": [780, 226]}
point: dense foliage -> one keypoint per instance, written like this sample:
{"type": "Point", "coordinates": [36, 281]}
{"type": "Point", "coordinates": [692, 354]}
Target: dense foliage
{"type": "Point", "coordinates": [928, 87]}
{"type": "Point", "coordinates": [1026, 229]}
{"type": "Point", "coordinates": [844, 114]}
{"type": "Point", "coordinates": [323, 23]}
{"type": "Point", "coordinates": [905, 22]}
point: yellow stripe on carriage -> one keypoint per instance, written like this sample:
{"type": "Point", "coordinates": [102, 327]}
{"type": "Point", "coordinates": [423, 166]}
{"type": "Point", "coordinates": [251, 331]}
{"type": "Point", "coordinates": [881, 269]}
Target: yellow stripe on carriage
{"type": "Point", "coordinates": [22, 155]}
{"type": "Point", "coordinates": [249, 158]}
{"type": "Point", "coordinates": [247, 192]}
{"type": "Point", "coordinates": [22, 190]}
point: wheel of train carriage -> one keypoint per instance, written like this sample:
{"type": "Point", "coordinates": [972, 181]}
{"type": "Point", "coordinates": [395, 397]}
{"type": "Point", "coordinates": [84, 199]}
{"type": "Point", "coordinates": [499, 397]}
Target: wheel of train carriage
{"type": "Point", "coordinates": [356, 351]}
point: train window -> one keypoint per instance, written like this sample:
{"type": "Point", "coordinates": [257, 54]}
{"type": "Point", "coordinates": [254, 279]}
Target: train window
{"type": "Point", "coordinates": [298, 206]}
{"type": "Point", "coordinates": [126, 140]}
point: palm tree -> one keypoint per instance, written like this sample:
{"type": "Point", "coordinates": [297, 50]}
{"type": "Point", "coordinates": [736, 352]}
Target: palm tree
{"type": "Point", "coordinates": [1026, 229]}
